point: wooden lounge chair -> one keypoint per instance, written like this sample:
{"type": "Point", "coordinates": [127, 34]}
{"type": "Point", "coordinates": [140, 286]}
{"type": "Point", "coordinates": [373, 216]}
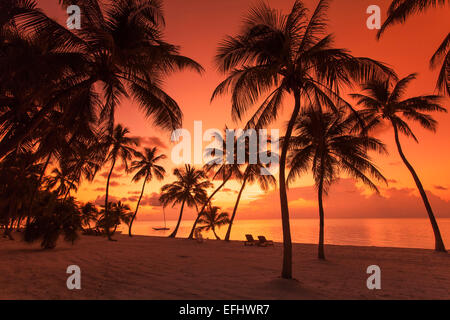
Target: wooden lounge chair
{"type": "Point", "coordinates": [250, 241]}
{"type": "Point", "coordinates": [263, 242]}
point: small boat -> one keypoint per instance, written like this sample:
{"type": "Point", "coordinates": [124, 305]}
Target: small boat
{"type": "Point", "coordinates": [161, 228]}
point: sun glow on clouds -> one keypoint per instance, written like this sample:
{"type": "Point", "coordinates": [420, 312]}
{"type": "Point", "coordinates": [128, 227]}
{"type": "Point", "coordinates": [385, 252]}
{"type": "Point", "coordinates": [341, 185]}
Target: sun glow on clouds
{"type": "Point", "coordinates": [303, 203]}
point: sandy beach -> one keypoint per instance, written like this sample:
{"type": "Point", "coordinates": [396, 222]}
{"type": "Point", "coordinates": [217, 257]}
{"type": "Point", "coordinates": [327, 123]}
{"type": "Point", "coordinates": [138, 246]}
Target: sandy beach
{"type": "Point", "coordinates": [161, 268]}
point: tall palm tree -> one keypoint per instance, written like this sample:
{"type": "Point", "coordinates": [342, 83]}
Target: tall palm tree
{"type": "Point", "coordinates": [119, 52]}
{"type": "Point", "coordinates": [147, 168]}
{"type": "Point", "coordinates": [323, 142]}
{"type": "Point", "coordinates": [121, 147]}
{"type": "Point", "coordinates": [211, 219]}
{"type": "Point", "coordinates": [382, 103]}
{"type": "Point", "coordinates": [276, 55]}
{"type": "Point", "coordinates": [399, 11]}
{"type": "Point", "coordinates": [189, 189]}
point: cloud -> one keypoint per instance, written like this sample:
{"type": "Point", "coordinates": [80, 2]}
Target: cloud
{"type": "Point", "coordinates": [392, 181]}
{"type": "Point", "coordinates": [102, 189]}
{"type": "Point", "coordinates": [441, 188]}
{"type": "Point", "coordinates": [100, 200]}
{"type": "Point", "coordinates": [134, 192]}
{"type": "Point", "coordinates": [152, 142]}
{"type": "Point", "coordinates": [114, 175]}
{"type": "Point", "coordinates": [146, 201]}
{"type": "Point", "coordinates": [347, 200]}
{"type": "Point", "coordinates": [230, 190]}
{"type": "Point", "coordinates": [151, 201]}
{"type": "Point", "coordinates": [120, 168]}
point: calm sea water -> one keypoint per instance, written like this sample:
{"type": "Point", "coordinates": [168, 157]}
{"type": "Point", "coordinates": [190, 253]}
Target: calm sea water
{"type": "Point", "coordinates": [405, 233]}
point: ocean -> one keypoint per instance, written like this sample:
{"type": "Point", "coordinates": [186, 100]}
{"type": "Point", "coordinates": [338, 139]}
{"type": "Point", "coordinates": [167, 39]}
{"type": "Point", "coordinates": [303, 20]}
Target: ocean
{"type": "Point", "coordinates": [404, 233]}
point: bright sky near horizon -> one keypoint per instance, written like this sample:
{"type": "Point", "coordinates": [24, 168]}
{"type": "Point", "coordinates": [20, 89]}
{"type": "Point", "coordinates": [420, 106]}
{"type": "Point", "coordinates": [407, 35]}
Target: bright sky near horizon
{"type": "Point", "coordinates": [198, 26]}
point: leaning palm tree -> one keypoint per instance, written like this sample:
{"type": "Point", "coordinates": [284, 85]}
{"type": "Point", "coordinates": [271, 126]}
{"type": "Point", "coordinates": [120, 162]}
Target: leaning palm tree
{"type": "Point", "coordinates": [382, 102]}
{"type": "Point", "coordinates": [147, 168]}
{"type": "Point", "coordinates": [189, 189]}
{"type": "Point", "coordinates": [323, 142]}
{"type": "Point", "coordinates": [119, 52]}
{"type": "Point", "coordinates": [223, 170]}
{"type": "Point", "coordinates": [252, 174]}
{"type": "Point", "coordinates": [276, 55]}
{"type": "Point", "coordinates": [399, 11]}
{"type": "Point", "coordinates": [121, 147]}
{"type": "Point", "coordinates": [255, 170]}
{"type": "Point", "coordinates": [212, 218]}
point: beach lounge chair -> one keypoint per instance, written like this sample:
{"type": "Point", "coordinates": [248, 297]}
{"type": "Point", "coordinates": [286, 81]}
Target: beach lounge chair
{"type": "Point", "coordinates": [250, 241]}
{"type": "Point", "coordinates": [263, 242]}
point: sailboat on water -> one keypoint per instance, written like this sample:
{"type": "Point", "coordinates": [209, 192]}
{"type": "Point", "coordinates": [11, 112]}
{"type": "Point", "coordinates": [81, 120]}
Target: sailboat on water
{"type": "Point", "coordinates": [160, 228]}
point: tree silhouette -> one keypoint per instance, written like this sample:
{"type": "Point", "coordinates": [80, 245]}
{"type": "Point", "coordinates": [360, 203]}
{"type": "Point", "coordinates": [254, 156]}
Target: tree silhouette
{"type": "Point", "coordinates": [382, 102]}
{"type": "Point", "coordinates": [147, 168]}
{"type": "Point", "coordinates": [276, 55]}
{"type": "Point", "coordinates": [323, 142]}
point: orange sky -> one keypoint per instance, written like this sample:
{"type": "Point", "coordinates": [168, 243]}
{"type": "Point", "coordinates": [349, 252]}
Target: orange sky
{"type": "Point", "coordinates": [198, 25]}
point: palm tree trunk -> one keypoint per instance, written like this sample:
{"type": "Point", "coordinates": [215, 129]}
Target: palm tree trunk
{"type": "Point", "coordinates": [286, 271]}
{"type": "Point", "coordinates": [70, 186]}
{"type": "Point", "coordinates": [30, 209]}
{"type": "Point", "coordinates": [191, 235]}
{"type": "Point", "coordinates": [137, 207]}
{"type": "Point", "coordinates": [227, 236]}
{"type": "Point", "coordinates": [439, 243]}
{"type": "Point", "coordinates": [214, 231]}
{"type": "Point", "coordinates": [106, 199]}
{"type": "Point", "coordinates": [174, 233]}
{"type": "Point", "coordinates": [322, 220]}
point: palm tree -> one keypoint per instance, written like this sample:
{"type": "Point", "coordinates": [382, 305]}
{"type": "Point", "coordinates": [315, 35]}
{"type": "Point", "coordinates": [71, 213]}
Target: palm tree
{"type": "Point", "coordinates": [119, 52]}
{"type": "Point", "coordinates": [85, 160]}
{"type": "Point", "coordinates": [323, 142]}
{"type": "Point", "coordinates": [276, 55]}
{"type": "Point", "coordinates": [89, 213]}
{"type": "Point", "coordinates": [383, 103]}
{"type": "Point", "coordinates": [18, 175]}
{"type": "Point", "coordinates": [118, 213]}
{"type": "Point", "coordinates": [148, 168]}
{"type": "Point", "coordinates": [251, 175]}
{"type": "Point", "coordinates": [399, 11]}
{"type": "Point", "coordinates": [189, 189]}
{"type": "Point", "coordinates": [224, 170]}
{"type": "Point", "coordinates": [54, 217]}
{"type": "Point", "coordinates": [121, 147]}
{"type": "Point", "coordinates": [212, 219]}
{"type": "Point", "coordinates": [61, 178]}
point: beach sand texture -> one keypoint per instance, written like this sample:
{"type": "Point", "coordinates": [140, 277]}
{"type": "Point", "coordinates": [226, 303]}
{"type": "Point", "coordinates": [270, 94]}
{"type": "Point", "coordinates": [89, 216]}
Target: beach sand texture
{"type": "Point", "coordinates": [160, 268]}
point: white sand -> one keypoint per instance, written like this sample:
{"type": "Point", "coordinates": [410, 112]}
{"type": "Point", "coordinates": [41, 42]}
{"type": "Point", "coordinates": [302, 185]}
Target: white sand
{"type": "Point", "coordinates": [161, 268]}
